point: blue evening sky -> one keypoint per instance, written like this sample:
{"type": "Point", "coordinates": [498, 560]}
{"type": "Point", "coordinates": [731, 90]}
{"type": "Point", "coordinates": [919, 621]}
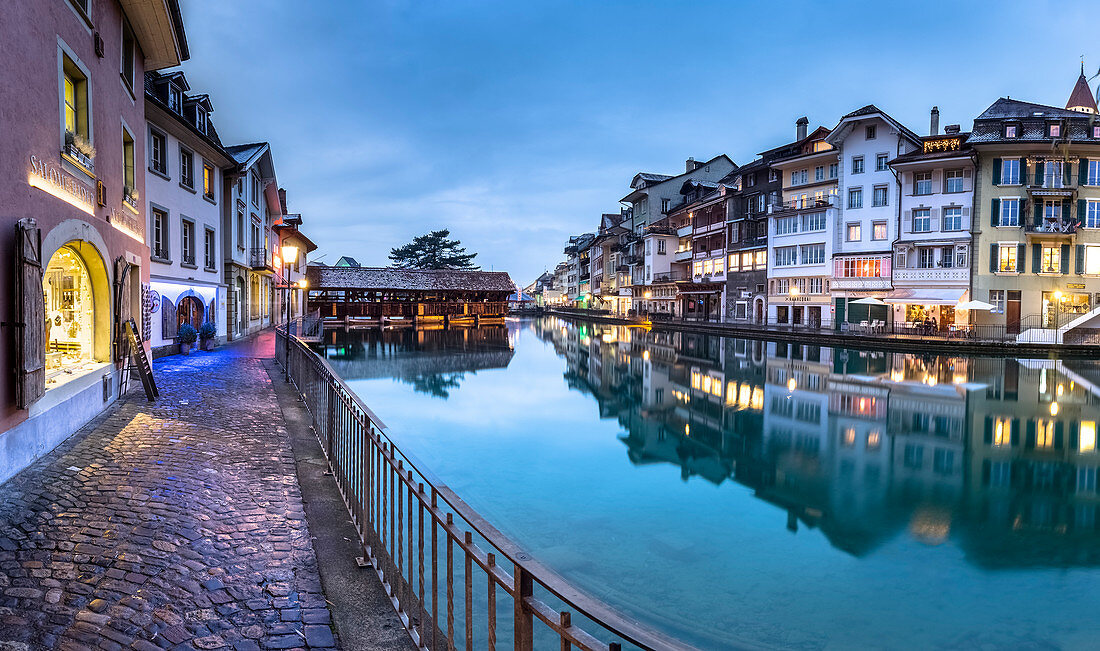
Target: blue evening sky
{"type": "Point", "coordinates": [515, 124]}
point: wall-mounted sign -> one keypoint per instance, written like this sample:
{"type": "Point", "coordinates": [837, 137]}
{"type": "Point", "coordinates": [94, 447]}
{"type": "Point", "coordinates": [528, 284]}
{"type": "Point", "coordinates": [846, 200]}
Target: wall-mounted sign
{"type": "Point", "coordinates": [154, 301]}
{"type": "Point", "coordinates": [1075, 285]}
{"type": "Point", "coordinates": [50, 178]}
{"type": "Point", "coordinates": [942, 145]}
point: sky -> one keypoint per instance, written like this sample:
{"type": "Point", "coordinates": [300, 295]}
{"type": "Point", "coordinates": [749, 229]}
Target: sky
{"type": "Point", "coordinates": [516, 124]}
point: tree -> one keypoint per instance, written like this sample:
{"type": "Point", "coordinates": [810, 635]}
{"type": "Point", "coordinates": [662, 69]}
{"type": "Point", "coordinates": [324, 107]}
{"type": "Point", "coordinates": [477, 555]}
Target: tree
{"type": "Point", "coordinates": [433, 251]}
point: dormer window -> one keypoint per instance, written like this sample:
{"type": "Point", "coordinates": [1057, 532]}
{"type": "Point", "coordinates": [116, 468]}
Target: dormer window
{"type": "Point", "coordinates": [1054, 130]}
{"type": "Point", "coordinates": [175, 98]}
{"type": "Point", "coordinates": [200, 119]}
{"type": "Point", "coordinates": [1096, 131]}
{"type": "Point", "coordinates": [1011, 131]}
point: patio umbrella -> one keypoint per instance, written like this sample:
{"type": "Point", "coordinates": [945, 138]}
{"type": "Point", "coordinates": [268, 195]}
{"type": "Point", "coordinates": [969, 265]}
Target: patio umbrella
{"type": "Point", "coordinates": [870, 300]}
{"type": "Point", "coordinates": [974, 305]}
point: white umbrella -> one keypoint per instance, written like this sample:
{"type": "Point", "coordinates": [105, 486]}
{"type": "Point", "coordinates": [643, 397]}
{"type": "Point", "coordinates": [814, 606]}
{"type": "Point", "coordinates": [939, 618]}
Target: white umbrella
{"type": "Point", "coordinates": [974, 305]}
{"type": "Point", "coordinates": [870, 300]}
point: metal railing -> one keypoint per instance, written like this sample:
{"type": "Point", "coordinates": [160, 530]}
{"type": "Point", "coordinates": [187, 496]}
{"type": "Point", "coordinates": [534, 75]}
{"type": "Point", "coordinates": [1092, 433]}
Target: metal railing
{"type": "Point", "coordinates": [258, 259]}
{"type": "Point", "coordinates": [424, 541]}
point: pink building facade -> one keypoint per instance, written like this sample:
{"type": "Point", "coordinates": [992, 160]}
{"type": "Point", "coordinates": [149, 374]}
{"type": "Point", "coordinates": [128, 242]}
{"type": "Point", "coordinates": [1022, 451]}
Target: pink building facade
{"type": "Point", "coordinates": [73, 223]}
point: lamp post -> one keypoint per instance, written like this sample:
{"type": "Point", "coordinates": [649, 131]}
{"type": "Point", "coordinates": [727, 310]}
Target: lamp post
{"type": "Point", "coordinates": [289, 252]}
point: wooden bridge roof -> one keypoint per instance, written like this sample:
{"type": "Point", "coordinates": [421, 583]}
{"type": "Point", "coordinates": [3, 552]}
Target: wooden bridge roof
{"type": "Point", "coordinates": [385, 278]}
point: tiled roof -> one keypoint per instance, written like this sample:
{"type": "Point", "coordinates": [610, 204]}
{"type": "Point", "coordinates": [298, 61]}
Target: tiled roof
{"type": "Point", "coordinates": [647, 176]}
{"type": "Point", "coordinates": [1013, 108]}
{"type": "Point", "coordinates": [1082, 95]}
{"type": "Point", "coordinates": [919, 154]}
{"type": "Point", "coordinates": [387, 278]}
{"type": "Point", "coordinates": [1032, 120]}
{"type": "Point", "coordinates": [244, 153]}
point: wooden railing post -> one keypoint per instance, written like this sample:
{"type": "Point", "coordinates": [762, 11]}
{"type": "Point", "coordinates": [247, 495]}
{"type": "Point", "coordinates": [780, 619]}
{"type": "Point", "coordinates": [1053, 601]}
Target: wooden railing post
{"type": "Point", "coordinates": [523, 621]}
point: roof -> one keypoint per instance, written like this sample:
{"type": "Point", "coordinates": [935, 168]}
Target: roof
{"type": "Point", "coordinates": [154, 96]}
{"type": "Point", "coordinates": [1081, 95]}
{"type": "Point", "coordinates": [918, 155]}
{"type": "Point", "coordinates": [867, 111]}
{"type": "Point", "coordinates": [650, 177]}
{"type": "Point", "coordinates": [325, 277]}
{"type": "Point", "coordinates": [1032, 120]}
{"type": "Point", "coordinates": [1005, 108]}
{"type": "Point", "coordinates": [347, 261]}
{"type": "Point", "coordinates": [245, 153]}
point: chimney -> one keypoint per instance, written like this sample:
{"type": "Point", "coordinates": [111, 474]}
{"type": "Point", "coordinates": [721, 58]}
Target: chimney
{"type": "Point", "coordinates": [952, 129]}
{"type": "Point", "coordinates": [934, 129]}
{"type": "Point", "coordinates": [692, 165]}
{"type": "Point", "coordinates": [282, 199]}
{"type": "Point", "coordinates": [800, 127]}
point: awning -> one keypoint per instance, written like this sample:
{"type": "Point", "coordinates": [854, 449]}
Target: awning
{"type": "Point", "coordinates": [925, 296]}
{"type": "Point", "coordinates": [700, 291]}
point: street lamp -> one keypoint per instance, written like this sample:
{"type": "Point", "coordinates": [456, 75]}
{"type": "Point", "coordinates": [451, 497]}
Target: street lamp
{"type": "Point", "coordinates": [290, 252]}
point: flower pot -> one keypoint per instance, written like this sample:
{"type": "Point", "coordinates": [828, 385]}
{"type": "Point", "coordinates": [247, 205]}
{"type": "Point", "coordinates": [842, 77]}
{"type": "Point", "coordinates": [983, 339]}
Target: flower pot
{"type": "Point", "coordinates": [208, 344]}
{"type": "Point", "coordinates": [185, 349]}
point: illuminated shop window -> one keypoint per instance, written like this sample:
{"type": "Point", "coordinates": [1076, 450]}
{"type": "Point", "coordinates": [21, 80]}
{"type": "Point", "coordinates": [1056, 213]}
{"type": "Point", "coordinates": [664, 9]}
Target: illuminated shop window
{"type": "Point", "coordinates": [70, 312]}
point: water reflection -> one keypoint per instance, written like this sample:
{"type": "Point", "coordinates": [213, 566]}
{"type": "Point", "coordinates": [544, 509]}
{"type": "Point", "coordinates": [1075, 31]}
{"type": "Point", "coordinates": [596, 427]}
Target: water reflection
{"type": "Point", "coordinates": [863, 445]}
{"type": "Point", "coordinates": [433, 362]}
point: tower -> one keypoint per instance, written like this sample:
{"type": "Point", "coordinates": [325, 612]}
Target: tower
{"type": "Point", "coordinates": [1082, 99]}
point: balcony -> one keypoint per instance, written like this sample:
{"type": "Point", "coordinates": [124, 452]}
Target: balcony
{"type": "Point", "coordinates": [682, 255]}
{"type": "Point", "coordinates": [1051, 226]}
{"type": "Point", "coordinates": [663, 229]}
{"type": "Point", "coordinates": [862, 283]}
{"type": "Point", "coordinates": [632, 259]}
{"type": "Point", "coordinates": [750, 243]}
{"type": "Point", "coordinates": [808, 203]}
{"type": "Point", "coordinates": [260, 260]}
{"type": "Point", "coordinates": [684, 230]}
{"type": "Point", "coordinates": [935, 274]}
{"type": "Point", "coordinates": [1055, 184]}
{"type": "Point", "coordinates": [670, 277]}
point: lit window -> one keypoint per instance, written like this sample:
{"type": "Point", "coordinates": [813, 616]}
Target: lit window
{"type": "Point", "coordinates": [1044, 434]}
{"type": "Point", "coordinates": [1002, 432]}
{"type": "Point", "coordinates": [849, 437]}
{"type": "Point", "coordinates": [879, 231]}
{"type": "Point", "coordinates": [1051, 259]}
{"type": "Point", "coordinates": [1010, 130]}
{"type": "Point", "coordinates": [1092, 259]}
{"type": "Point", "coordinates": [1086, 438]}
{"type": "Point", "coordinates": [873, 440]}
{"type": "Point", "coordinates": [128, 161]}
{"type": "Point", "coordinates": [75, 88]}
{"type": "Point", "coordinates": [1055, 130]}
{"type": "Point", "coordinates": [854, 233]}
{"type": "Point", "coordinates": [1010, 212]}
{"type": "Point", "coordinates": [208, 181]}
{"type": "Point", "coordinates": [1007, 257]}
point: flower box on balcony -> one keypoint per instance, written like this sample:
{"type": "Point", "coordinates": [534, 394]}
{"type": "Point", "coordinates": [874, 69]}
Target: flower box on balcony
{"type": "Point", "coordinates": [79, 158]}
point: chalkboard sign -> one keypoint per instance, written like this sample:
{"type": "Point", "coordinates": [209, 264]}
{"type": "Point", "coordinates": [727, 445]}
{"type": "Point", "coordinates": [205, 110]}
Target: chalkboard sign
{"type": "Point", "coordinates": [140, 360]}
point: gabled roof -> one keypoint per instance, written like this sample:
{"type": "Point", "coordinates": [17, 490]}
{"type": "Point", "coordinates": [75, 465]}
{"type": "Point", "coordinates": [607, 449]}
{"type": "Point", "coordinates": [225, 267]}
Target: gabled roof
{"type": "Point", "coordinates": [840, 131]}
{"type": "Point", "coordinates": [388, 278]}
{"type": "Point", "coordinates": [1006, 108]}
{"type": "Point", "coordinates": [673, 178]}
{"type": "Point", "coordinates": [202, 100]}
{"type": "Point", "coordinates": [1081, 97]}
{"type": "Point", "coordinates": [155, 84]}
{"type": "Point", "coordinates": [918, 155]}
{"type": "Point", "coordinates": [648, 178]}
{"type": "Point", "coordinates": [244, 154]}
{"type": "Point", "coordinates": [347, 261]}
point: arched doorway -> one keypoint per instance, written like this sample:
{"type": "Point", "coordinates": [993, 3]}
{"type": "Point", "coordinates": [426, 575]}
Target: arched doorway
{"type": "Point", "coordinates": [189, 310]}
{"type": "Point", "coordinates": [71, 313]}
{"type": "Point", "coordinates": [758, 310]}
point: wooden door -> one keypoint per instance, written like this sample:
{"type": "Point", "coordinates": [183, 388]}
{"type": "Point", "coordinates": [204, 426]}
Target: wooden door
{"type": "Point", "coordinates": [30, 308]}
{"type": "Point", "coordinates": [1012, 316]}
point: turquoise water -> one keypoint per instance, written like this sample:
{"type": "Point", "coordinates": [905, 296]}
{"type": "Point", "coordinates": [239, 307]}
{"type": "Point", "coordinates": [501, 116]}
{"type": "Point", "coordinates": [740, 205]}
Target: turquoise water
{"type": "Point", "coordinates": [729, 491]}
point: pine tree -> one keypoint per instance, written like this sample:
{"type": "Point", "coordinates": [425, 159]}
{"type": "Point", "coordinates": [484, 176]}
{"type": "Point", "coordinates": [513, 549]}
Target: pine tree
{"type": "Point", "coordinates": [433, 251]}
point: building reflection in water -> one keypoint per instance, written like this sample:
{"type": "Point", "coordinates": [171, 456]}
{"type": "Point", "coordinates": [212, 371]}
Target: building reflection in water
{"type": "Point", "coordinates": [433, 362]}
{"type": "Point", "coordinates": [998, 455]}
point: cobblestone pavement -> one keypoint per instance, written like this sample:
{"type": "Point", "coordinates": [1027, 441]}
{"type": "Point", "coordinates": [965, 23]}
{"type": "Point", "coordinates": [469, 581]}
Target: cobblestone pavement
{"type": "Point", "coordinates": [177, 524]}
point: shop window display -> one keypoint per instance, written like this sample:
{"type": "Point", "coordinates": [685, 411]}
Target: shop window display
{"type": "Point", "coordinates": [70, 311]}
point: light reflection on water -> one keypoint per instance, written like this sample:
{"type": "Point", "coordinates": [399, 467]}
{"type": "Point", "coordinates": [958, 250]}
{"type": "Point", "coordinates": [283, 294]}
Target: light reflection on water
{"type": "Point", "coordinates": [780, 494]}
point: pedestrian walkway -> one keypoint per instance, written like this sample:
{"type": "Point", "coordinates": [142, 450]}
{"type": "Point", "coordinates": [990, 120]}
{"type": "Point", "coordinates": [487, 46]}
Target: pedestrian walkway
{"type": "Point", "coordinates": [177, 524]}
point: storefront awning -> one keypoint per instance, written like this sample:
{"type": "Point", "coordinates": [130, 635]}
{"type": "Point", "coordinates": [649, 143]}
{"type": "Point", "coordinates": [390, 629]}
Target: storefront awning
{"type": "Point", "coordinates": [925, 296]}
{"type": "Point", "coordinates": [700, 291]}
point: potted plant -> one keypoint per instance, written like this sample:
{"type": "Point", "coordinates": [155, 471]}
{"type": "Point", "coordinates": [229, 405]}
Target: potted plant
{"type": "Point", "coordinates": [208, 332]}
{"type": "Point", "coordinates": [186, 336]}
{"type": "Point", "coordinates": [78, 148]}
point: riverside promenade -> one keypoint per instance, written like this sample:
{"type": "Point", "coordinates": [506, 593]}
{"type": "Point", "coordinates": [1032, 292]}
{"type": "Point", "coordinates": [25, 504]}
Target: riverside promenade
{"type": "Point", "coordinates": [181, 524]}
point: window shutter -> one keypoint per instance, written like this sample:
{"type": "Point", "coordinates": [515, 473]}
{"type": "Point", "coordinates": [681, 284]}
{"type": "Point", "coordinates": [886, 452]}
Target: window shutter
{"type": "Point", "coordinates": [1029, 439]}
{"type": "Point", "coordinates": [988, 437]}
{"type": "Point", "coordinates": [992, 258]}
{"type": "Point", "coordinates": [30, 323]}
{"type": "Point", "coordinates": [1038, 173]}
{"type": "Point", "coordinates": [985, 472]}
{"type": "Point", "coordinates": [1073, 435]}
{"type": "Point", "coordinates": [123, 309]}
{"type": "Point", "coordinates": [1066, 203]}
{"type": "Point", "coordinates": [1066, 174]}
{"type": "Point", "coordinates": [994, 211]}
{"type": "Point", "coordinates": [1059, 434]}
{"type": "Point", "coordinates": [1015, 432]}
{"type": "Point", "coordinates": [996, 171]}
{"type": "Point", "coordinates": [966, 211]}
{"type": "Point", "coordinates": [1065, 259]}
{"type": "Point", "coordinates": [1082, 171]}
{"type": "Point", "coordinates": [1080, 262]}
{"type": "Point", "coordinates": [1021, 253]}
{"type": "Point", "coordinates": [1036, 254]}
{"type": "Point", "coordinates": [1082, 211]}
{"type": "Point", "coordinates": [168, 325]}
{"type": "Point", "coordinates": [210, 314]}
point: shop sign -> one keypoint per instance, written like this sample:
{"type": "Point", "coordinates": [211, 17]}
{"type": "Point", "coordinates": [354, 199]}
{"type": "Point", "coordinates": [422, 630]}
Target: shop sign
{"type": "Point", "coordinates": [154, 301]}
{"type": "Point", "coordinates": [1075, 285]}
{"type": "Point", "coordinates": [50, 178]}
{"type": "Point", "coordinates": [942, 145]}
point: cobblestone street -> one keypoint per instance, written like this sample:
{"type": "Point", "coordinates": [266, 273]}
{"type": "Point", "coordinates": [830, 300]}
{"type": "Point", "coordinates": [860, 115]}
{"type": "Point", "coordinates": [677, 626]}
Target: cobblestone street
{"type": "Point", "coordinates": [177, 524]}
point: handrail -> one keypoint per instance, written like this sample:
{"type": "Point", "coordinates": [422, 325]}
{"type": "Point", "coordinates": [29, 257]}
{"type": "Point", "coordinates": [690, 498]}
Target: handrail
{"type": "Point", "coordinates": [380, 482]}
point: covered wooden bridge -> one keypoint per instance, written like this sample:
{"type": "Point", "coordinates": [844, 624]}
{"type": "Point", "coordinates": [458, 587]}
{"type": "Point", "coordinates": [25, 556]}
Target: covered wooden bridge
{"type": "Point", "coordinates": [386, 297]}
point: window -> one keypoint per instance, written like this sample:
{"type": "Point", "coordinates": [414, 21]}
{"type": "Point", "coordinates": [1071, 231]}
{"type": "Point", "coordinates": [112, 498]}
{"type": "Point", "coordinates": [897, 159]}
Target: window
{"type": "Point", "coordinates": [1010, 171]}
{"type": "Point", "coordinates": [926, 258]}
{"type": "Point", "coordinates": [1053, 174]}
{"type": "Point", "coordinates": [922, 183]}
{"type": "Point", "coordinates": [813, 254]}
{"type": "Point", "coordinates": [175, 98]}
{"type": "Point", "coordinates": [751, 180]}
{"type": "Point", "coordinates": [1011, 130]}
{"type": "Point", "coordinates": [256, 192]}
{"type": "Point", "coordinates": [209, 244]}
{"type": "Point", "coordinates": [1092, 260]}
{"type": "Point", "coordinates": [922, 220]}
{"type": "Point", "coordinates": [1010, 212]}
{"type": "Point", "coordinates": [128, 178]}
{"type": "Point", "coordinates": [786, 225]}
{"type": "Point", "coordinates": [159, 218]}
{"type": "Point", "coordinates": [761, 259]}
{"type": "Point", "coordinates": [878, 199]}
{"type": "Point", "coordinates": [855, 198]}
{"type": "Point", "coordinates": [834, 170]}
{"type": "Point", "coordinates": [1093, 177]}
{"type": "Point", "coordinates": [1044, 433]}
{"type": "Point", "coordinates": [960, 256]}
{"type": "Point", "coordinates": [953, 181]}
{"type": "Point", "coordinates": [880, 162]}
{"type": "Point", "coordinates": [952, 218]}
{"type": "Point", "coordinates": [187, 168]}
{"type": "Point", "coordinates": [814, 286]}
{"type": "Point", "coordinates": [857, 164]}
{"type": "Point", "coordinates": [75, 88]}
{"type": "Point", "coordinates": [879, 231]}
{"type": "Point", "coordinates": [1086, 437]}
{"type": "Point", "coordinates": [187, 241]}
{"type": "Point", "coordinates": [1096, 131]}
{"type": "Point", "coordinates": [799, 177]}
{"type": "Point", "coordinates": [862, 268]}
{"type": "Point", "coordinates": [813, 222]}
{"type": "Point", "coordinates": [786, 256]}
{"type": "Point", "coordinates": [1050, 259]}
{"type": "Point", "coordinates": [208, 181]}
{"type": "Point", "coordinates": [1006, 257]}
{"type": "Point", "coordinates": [819, 173]}
{"type": "Point", "coordinates": [854, 232]}
{"type": "Point", "coordinates": [1052, 211]}
{"type": "Point", "coordinates": [1002, 432]}
{"type": "Point", "coordinates": [660, 247]}
{"type": "Point", "coordinates": [240, 188]}
{"type": "Point", "coordinates": [947, 257]}
{"type": "Point", "coordinates": [720, 265]}
{"type": "Point", "coordinates": [665, 204]}
{"type": "Point", "coordinates": [997, 300]}
{"type": "Point", "coordinates": [870, 132]}
{"type": "Point", "coordinates": [158, 158]}
{"type": "Point", "coordinates": [240, 227]}
{"type": "Point", "coordinates": [901, 258]}
{"type": "Point", "coordinates": [1054, 130]}
{"type": "Point", "coordinates": [200, 120]}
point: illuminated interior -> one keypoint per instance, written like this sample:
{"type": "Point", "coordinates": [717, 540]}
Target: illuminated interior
{"type": "Point", "coordinates": [69, 316]}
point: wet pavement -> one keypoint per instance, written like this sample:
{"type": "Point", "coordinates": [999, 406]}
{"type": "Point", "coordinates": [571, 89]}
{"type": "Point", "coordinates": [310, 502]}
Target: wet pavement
{"type": "Point", "coordinates": [177, 524]}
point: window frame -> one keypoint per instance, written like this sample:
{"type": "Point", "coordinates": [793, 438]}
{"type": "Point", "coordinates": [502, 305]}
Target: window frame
{"type": "Point", "coordinates": [953, 175]}
{"type": "Point", "coordinates": [855, 198]}
{"type": "Point", "coordinates": [858, 165]}
{"type": "Point", "coordinates": [187, 242]}
{"type": "Point", "coordinates": [129, 82]}
{"type": "Point", "coordinates": [187, 172]}
{"type": "Point", "coordinates": [875, 190]}
{"type": "Point", "coordinates": [160, 251]}
{"type": "Point", "coordinates": [209, 188]}
{"type": "Point", "coordinates": [918, 180]}
{"type": "Point", "coordinates": [154, 133]}
{"type": "Point", "coordinates": [944, 218]}
{"type": "Point", "coordinates": [875, 231]}
{"type": "Point", "coordinates": [210, 249]}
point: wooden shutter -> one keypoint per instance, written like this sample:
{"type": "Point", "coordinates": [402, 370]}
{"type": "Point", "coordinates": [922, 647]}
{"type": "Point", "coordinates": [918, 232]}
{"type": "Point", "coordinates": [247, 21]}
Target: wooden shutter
{"type": "Point", "coordinates": [1039, 173]}
{"type": "Point", "coordinates": [1036, 258]}
{"type": "Point", "coordinates": [168, 325]}
{"type": "Point", "coordinates": [1021, 254]}
{"type": "Point", "coordinates": [123, 309]}
{"type": "Point", "coordinates": [1064, 260]}
{"type": "Point", "coordinates": [1080, 266]}
{"type": "Point", "coordinates": [994, 211]}
{"type": "Point", "coordinates": [996, 171]}
{"type": "Point", "coordinates": [1082, 212]}
{"type": "Point", "coordinates": [1023, 171]}
{"type": "Point", "coordinates": [210, 311]}
{"type": "Point", "coordinates": [30, 325]}
{"type": "Point", "coordinates": [1073, 431]}
{"type": "Point", "coordinates": [1059, 434]}
{"type": "Point", "coordinates": [1082, 171]}
{"type": "Point", "coordinates": [1029, 439]}
{"type": "Point", "coordinates": [1015, 438]}
{"type": "Point", "coordinates": [992, 258]}
{"type": "Point", "coordinates": [988, 435]}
